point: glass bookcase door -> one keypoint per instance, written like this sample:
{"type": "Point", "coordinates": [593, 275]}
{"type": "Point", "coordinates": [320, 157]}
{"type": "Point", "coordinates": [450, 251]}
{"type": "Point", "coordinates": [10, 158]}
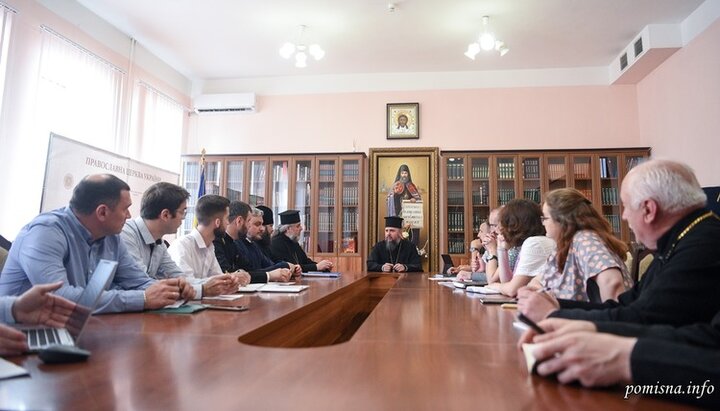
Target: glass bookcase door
{"type": "Point", "coordinates": [610, 191]}
{"type": "Point", "coordinates": [234, 185]}
{"type": "Point", "coordinates": [582, 175]}
{"type": "Point", "coordinates": [191, 178]}
{"type": "Point", "coordinates": [303, 200]}
{"type": "Point", "coordinates": [480, 186]}
{"type": "Point", "coordinates": [256, 195]}
{"type": "Point", "coordinates": [326, 206]}
{"type": "Point", "coordinates": [350, 215]}
{"type": "Point", "coordinates": [505, 177]}
{"type": "Point", "coordinates": [531, 188]}
{"type": "Point", "coordinates": [556, 172]}
{"type": "Point", "coordinates": [455, 169]}
{"type": "Point", "coordinates": [279, 189]}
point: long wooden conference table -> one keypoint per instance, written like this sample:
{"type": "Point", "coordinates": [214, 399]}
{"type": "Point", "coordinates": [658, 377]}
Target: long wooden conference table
{"type": "Point", "coordinates": [360, 342]}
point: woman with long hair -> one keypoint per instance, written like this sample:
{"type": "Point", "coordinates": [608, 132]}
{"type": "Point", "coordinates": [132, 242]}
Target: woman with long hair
{"type": "Point", "coordinates": [588, 263]}
{"type": "Point", "coordinates": [520, 226]}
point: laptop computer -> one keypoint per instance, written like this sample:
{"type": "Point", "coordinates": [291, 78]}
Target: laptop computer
{"type": "Point", "coordinates": [447, 262]}
{"type": "Point", "coordinates": [39, 337]}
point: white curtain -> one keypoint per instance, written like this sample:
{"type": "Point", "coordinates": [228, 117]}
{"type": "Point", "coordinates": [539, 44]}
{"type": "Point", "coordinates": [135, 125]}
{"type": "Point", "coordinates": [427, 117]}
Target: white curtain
{"type": "Point", "coordinates": [157, 126]}
{"type": "Point", "coordinates": [5, 27]}
{"type": "Point", "coordinates": [79, 93]}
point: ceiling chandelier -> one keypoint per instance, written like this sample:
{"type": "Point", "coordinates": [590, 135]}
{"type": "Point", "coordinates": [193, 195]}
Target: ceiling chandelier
{"type": "Point", "coordinates": [487, 41]}
{"type": "Point", "coordinates": [301, 50]}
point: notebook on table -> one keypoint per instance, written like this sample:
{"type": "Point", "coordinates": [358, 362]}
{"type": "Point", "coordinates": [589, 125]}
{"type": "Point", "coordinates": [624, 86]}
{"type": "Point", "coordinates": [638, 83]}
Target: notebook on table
{"type": "Point", "coordinates": [39, 337]}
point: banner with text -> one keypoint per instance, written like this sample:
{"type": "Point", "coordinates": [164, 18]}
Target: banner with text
{"type": "Point", "coordinates": [69, 161]}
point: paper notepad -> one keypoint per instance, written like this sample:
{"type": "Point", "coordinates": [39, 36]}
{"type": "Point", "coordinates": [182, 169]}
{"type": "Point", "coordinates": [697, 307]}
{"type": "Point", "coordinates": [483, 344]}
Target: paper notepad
{"type": "Point", "coordinates": [225, 297]}
{"type": "Point", "coordinates": [272, 288]}
{"type": "Point", "coordinates": [10, 370]}
{"type": "Point", "coordinates": [481, 290]}
{"type": "Point", "coordinates": [530, 360]}
{"type": "Point", "coordinates": [251, 288]}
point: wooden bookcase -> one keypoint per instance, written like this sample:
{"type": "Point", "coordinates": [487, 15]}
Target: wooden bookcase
{"type": "Point", "coordinates": [473, 183]}
{"type": "Point", "coordinates": [328, 189]}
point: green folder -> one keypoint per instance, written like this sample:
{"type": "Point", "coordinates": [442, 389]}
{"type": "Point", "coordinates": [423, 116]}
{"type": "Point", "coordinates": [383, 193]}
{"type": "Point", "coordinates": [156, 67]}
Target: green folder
{"type": "Point", "coordinates": [183, 309]}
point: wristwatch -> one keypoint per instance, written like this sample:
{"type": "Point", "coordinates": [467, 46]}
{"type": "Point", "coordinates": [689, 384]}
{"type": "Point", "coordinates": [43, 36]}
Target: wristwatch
{"type": "Point", "coordinates": [492, 257]}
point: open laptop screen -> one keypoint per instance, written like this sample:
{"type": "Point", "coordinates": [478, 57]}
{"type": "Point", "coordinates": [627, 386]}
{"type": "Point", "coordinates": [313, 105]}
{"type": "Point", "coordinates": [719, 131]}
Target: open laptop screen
{"type": "Point", "coordinates": [99, 281]}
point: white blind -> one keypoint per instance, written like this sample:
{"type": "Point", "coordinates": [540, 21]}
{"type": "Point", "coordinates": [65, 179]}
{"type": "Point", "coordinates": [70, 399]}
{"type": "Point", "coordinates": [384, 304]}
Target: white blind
{"type": "Point", "coordinates": [157, 126]}
{"type": "Point", "coordinates": [79, 93]}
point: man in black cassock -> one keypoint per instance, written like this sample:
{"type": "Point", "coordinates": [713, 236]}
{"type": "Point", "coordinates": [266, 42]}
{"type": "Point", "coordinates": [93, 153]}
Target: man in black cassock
{"type": "Point", "coordinates": [394, 253]}
{"type": "Point", "coordinates": [285, 246]}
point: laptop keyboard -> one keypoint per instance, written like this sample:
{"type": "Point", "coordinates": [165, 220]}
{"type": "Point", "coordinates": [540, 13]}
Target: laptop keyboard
{"type": "Point", "coordinates": [39, 338]}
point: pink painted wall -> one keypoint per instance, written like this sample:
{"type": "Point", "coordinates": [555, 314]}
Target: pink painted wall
{"type": "Point", "coordinates": [477, 119]}
{"type": "Point", "coordinates": [679, 107]}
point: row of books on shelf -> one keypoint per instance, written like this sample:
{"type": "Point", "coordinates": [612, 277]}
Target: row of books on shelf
{"type": "Point", "coordinates": [456, 247]}
{"type": "Point", "coordinates": [455, 171]}
{"type": "Point", "coordinates": [477, 220]}
{"type": "Point", "coordinates": [556, 171]}
{"type": "Point", "coordinates": [505, 195]}
{"type": "Point", "coordinates": [327, 196]}
{"type": "Point", "coordinates": [480, 171]}
{"type": "Point", "coordinates": [614, 220]}
{"type": "Point", "coordinates": [531, 168]}
{"type": "Point", "coordinates": [506, 170]}
{"type": "Point", "coordinates": [480, 198]}
{"type": "Point", "coordinates": [532, 194]}
{"type": "Point", "coordinates": [326, 221]}
{"type": "Point", "coordinates": [304, 172]}
{"type": "Point", "coordinates": [326, 171]}
{"type": "Point", "coordinates": [582, 170]}
{"type": "Point", "coordinates": [351, 171]}
{"type": "Point", "coordinates": [280, 172]}
{"type": "Point", "coordinates": [456, 221]}
{"type": "Point", "coordinates": [456, 198]}
{"type": "Point", "coordinates": [350, 221]}
{"type": "Point", "coordinates": [350, 195]}
{"type": "Point", "coordinates": [608, 167]}
{"type": "Point", "coordinates": [609, 195]}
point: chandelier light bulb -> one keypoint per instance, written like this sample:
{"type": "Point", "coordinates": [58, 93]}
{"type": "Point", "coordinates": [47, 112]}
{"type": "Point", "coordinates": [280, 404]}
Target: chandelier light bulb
{"type": "Point", "coordinates": [487, 41]}
{"type": "Point", "coordinates": [472, 51]}
{"type": "Point", "coordinates": [317, 52]}
{"type": "Point", "coordinates": [287, 50]}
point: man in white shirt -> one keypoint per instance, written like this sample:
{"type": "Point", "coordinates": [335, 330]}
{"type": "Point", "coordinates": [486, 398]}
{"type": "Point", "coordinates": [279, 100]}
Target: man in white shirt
{"type": "Point", "coordinates": [162, 211]}
{"type": "Point", "coordinates": [195, 253]}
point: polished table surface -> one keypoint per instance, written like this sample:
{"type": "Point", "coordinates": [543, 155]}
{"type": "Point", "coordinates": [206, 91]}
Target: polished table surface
{"type": "Point", "coordinates": [424, 346]}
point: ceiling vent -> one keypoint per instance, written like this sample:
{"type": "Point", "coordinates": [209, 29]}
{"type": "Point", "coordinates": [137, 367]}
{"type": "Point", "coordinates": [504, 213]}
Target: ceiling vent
{"type": "Point", "coordinates": [224, 103]}
{"type": "Point", "coordinates": [654, 44]}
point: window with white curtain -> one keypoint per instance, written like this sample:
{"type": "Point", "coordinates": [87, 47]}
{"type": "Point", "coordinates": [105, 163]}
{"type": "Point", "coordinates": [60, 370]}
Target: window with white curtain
{"type": "Point", "coordinates": [5, 26]}
{"type": "Point", "coordinates": [157, 126]}
{"type": "Point", "coordinates": [79, 93]}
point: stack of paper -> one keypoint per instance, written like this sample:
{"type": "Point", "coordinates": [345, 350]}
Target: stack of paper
{"type": "Point", "coordinates": [273, 288]}
{"type": "Point", "coordinates": [482, 290]}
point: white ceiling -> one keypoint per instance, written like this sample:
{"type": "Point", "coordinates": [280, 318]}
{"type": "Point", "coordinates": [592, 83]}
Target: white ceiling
{"type": "Point", "coordinates": [225, 39]}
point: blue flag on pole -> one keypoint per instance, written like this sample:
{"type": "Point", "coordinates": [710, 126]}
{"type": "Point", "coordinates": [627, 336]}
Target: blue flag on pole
{"type": "Point", "coordinates": [201, 186]}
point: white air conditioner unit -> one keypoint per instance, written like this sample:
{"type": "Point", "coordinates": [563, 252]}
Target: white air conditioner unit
{"type": "Point", "coordinates": [224, 103]}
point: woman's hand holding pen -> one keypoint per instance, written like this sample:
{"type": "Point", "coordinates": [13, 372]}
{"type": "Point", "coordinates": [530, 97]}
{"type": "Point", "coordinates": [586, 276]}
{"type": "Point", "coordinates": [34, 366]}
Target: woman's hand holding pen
{"type": "Point", "coordinates": [536, 304]}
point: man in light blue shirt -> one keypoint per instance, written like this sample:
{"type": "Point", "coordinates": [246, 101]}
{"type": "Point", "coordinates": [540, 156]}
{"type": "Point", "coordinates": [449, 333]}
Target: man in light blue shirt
{"type": "Point", "coordinates": [66, 244]}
